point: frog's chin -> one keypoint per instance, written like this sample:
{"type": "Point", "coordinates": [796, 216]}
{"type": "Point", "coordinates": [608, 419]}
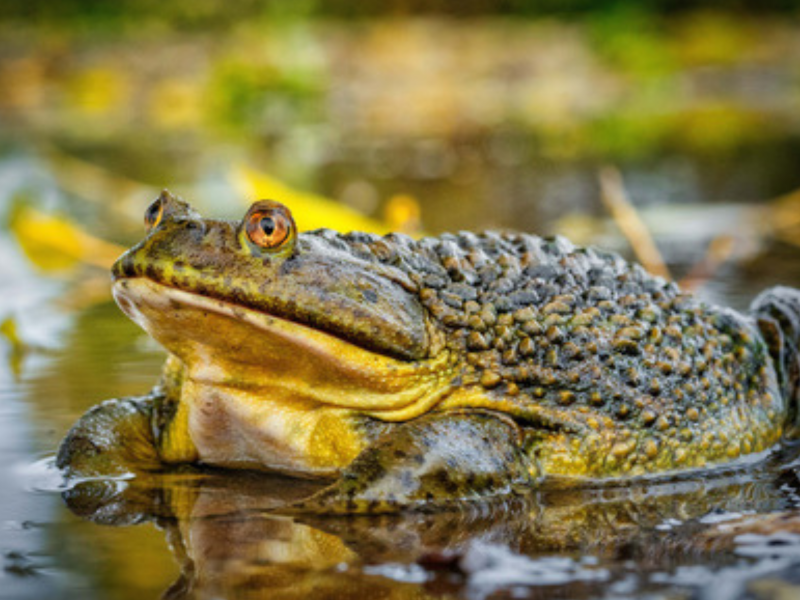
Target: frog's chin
{"type": "Point", "coordinates": [226, 345]}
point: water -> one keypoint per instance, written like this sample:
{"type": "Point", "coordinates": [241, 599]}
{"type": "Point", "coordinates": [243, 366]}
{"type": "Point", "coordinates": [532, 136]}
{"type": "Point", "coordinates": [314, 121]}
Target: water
{"type": "Point", "coordinates": [734, 533]}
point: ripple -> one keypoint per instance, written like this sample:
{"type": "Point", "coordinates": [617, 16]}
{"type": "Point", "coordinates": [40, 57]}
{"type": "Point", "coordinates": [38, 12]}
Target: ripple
{"type": "Point", "coordinates": [781, 544]}
{"type": "Point", "coordinates": [492, 567]}
{"type": "Point", "coordinates": [43, 476]}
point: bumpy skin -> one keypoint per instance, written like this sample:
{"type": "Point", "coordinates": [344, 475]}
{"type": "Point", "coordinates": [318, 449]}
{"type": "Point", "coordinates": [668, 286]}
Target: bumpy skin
{"type": "Point", "coordinates": [618, 370]}
{"type": "Point", "coordinates": [569, 361]}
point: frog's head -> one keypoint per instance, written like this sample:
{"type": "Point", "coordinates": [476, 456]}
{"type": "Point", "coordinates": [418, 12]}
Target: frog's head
{"type": "Point", "coordinates": [254, 305]}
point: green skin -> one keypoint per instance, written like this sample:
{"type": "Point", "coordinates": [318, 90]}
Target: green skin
{"type": "Point", "coordinates": [541, 361]}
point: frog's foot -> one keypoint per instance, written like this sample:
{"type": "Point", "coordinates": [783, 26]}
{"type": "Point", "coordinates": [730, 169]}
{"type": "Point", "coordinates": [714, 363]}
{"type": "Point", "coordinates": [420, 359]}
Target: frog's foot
{"type": "Point", "coordinates": [432, 461]}
{"type": "Point", "coordinates": [113, 438]}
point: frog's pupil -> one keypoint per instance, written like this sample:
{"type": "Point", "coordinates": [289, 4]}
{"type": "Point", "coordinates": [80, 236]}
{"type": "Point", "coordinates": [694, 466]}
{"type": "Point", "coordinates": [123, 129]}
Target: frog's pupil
{"type": "Point", "coordinates": [267, 225]}
{"type": "Point", "coordinates": [152, 213]}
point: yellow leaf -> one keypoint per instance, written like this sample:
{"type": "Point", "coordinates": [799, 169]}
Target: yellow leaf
{"type": "Point", "coordinates": [98, 90]}
{"type": "Point", "coordinates": [8, 329]}
{"type": "Point", "coordinates": [403, 214]}
{"type": "Point", "coordinates": [54, 243]}
{"type": "Point", "coordinates": [176, 104]}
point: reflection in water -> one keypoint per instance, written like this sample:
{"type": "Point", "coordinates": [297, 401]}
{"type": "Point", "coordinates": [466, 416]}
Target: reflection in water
{"type": "Point", "coordinates": [230, 540]}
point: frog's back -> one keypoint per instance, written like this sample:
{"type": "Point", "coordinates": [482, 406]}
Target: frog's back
{"type": "Point", "coordinates": [618, 369]}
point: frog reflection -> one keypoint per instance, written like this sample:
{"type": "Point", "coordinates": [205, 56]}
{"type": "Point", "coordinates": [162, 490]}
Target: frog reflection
{"type": "Point", "coordinates": [229, 540]}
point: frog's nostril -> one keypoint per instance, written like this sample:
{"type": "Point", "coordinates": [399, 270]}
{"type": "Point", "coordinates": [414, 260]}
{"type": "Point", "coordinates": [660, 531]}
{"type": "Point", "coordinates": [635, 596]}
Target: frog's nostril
{"type": "Point", "coordinates": [124, 304]}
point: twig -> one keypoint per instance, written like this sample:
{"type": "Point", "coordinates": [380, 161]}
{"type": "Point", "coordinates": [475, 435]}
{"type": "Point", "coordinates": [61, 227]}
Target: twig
{"type": "Point", "coordinates": [628, 220]}
{"type": "Point", "coordinates": [720, 251]}
{"type": "Point", "coordinates": [785, 218]}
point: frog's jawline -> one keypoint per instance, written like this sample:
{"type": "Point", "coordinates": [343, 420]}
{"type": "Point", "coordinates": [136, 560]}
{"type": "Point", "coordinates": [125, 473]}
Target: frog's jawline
{"type": "Point", "coordinates": [269, 352]}
{"type": "Point", "coordinates": [174, 298]}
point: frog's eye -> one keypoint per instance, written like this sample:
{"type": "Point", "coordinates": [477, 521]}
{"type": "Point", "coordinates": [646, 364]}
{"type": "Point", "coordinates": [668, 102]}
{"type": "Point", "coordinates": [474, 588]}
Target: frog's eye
{"type": "Point", "coordinates": [154, 214]}
{"type": "Point", "coordinates": [269, 226]}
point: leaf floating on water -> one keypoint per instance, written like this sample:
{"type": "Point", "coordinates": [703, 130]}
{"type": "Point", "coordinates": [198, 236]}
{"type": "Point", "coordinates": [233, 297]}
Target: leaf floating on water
{"type": "Point", "coordinates": [55, 243]}
{"type": "Point", "coordinates": [8, 329]}
{"type": "Point", "coordinates": [310, 210]}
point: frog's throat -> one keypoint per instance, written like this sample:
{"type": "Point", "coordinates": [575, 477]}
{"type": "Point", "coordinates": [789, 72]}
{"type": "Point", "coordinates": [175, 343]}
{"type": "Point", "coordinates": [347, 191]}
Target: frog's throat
{"type": "Point", "coordinates": [231, 347]}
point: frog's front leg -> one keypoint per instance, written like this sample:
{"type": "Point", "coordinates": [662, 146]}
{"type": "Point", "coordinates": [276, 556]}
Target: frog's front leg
{"type": "Point", "coordinates": [112, 438]}
{"type": "Point", "coordinates": [431, 461]}
{"type": "Point", "coordinates": [131, 435]}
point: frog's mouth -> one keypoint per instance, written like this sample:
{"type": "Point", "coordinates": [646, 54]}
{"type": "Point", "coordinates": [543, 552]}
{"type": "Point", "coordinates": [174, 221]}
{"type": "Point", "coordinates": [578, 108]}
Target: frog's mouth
{"type": "Point", "coordinates": [226, 345]}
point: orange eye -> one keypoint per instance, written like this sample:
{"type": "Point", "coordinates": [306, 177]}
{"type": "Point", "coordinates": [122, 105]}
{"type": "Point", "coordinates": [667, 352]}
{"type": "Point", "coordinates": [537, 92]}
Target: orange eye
{"type": "Point", "coordinates": [269, 228]}
{"type": "Point", "coordinates": [153, 214]}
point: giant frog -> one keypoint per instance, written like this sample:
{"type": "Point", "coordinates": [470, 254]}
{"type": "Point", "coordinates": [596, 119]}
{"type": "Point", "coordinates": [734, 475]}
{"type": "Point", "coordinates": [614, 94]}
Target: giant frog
{"type": "Point", "coordinates": [420, 373]}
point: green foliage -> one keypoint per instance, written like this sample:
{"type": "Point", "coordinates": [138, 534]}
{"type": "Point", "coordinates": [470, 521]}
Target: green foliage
{"type": "Point", "coordinates": [633, 40]}
{"type": "Point", "coordinates": [220, 14]}
{"type": "Point", "coordinates": [131, 14]}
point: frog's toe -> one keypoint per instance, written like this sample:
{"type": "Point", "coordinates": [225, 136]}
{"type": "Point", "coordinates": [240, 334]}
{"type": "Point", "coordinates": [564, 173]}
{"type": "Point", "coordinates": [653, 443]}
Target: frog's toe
{"type": "Point", "coordinates": [112, 438]}
{"type": "Point", "coordinates": [433, 461]}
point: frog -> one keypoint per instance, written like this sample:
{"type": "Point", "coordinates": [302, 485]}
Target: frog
{"type": "Point", "coordinates": [421, 373]}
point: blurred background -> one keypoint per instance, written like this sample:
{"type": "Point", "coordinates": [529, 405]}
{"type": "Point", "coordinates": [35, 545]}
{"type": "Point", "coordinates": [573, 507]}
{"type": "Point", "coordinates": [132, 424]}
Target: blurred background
{"type": "Point", "coordinates": [473, 114]}
{"type": "Point", "coordinates": [410, 115]}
